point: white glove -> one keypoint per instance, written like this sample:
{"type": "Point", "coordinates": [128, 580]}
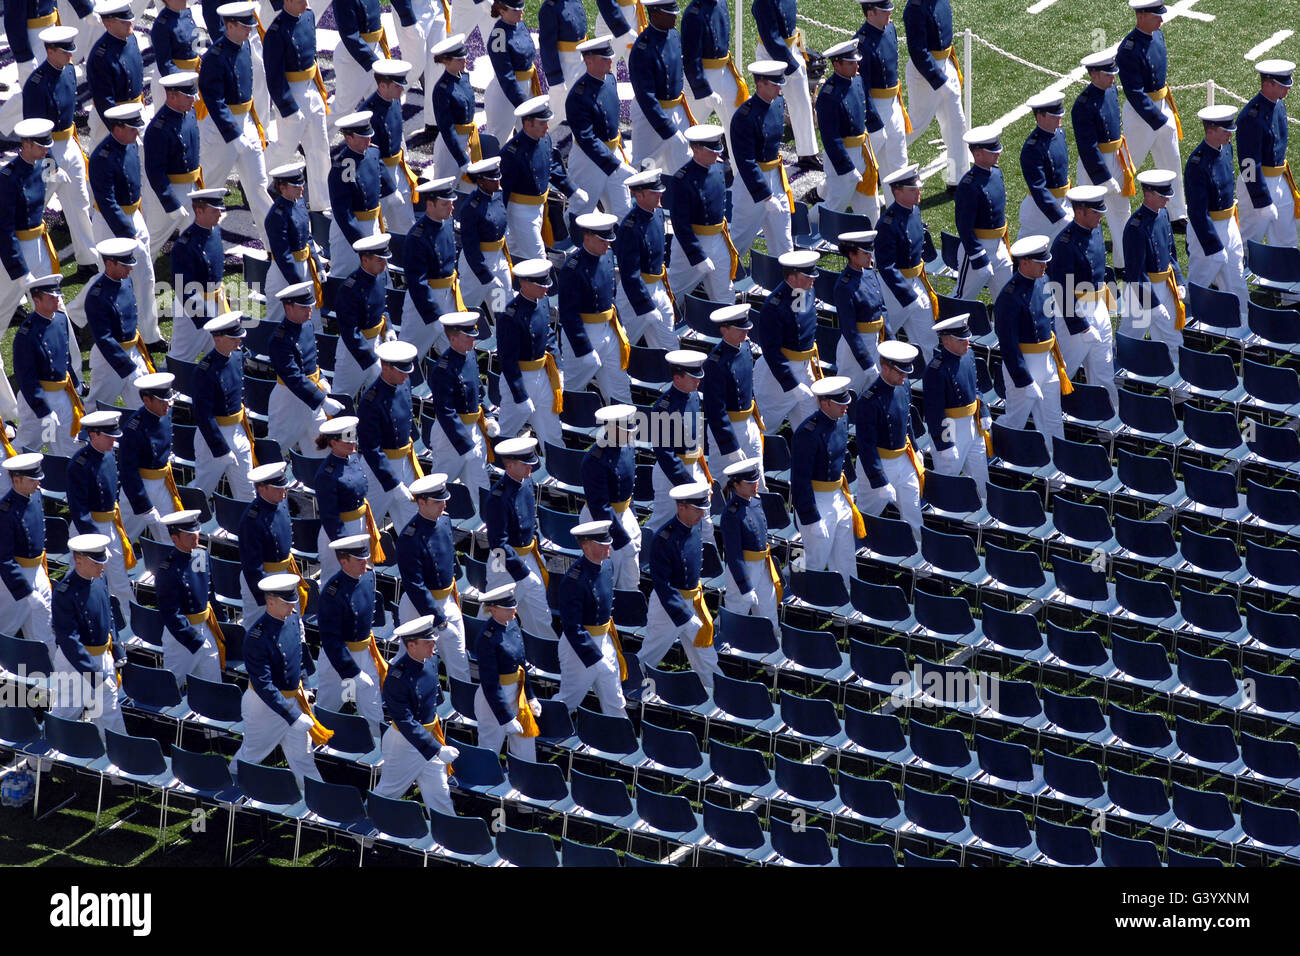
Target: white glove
{"type": "Point", "coordinates": [732, 457]}
{"type": "Point", "coordinates": [1035, 391]}
{"type": "Point", "coordinates": [945, 454]}
{"type": "Point", "coordinates": [749, 602]}
{"type": "Point", "coordinates": [492, 427]}
{"type": "Point", "coordinates": [986, 423]}
{"type": "Point", "coordinates": [303, 722]}
{"type": "Point", "coordinates": [774, 204]}
{"type": "Point", "coordinates": [580, 197]}
{"type": "Point", "coordinates": [804, 391]}
{"type": "Point", "coordinates": [514, 727]}
{"type": "Point", "coordinates": [680, 139]}
{"type": "Point", "coordinates": [404, 491]}
{"type": "Point", "coordinates": [1182, 292]}
{"type": "Point", "coordinates": [535, 706]}
{"type": "Point", "coordinates": [390, 336]}
{"type": "Point", "coordinates": [1092, 334]}
{"type": "Point", "coordinates": [332, 406]}
{"type": "Point", "coordinates": [448, 754]}
{"type": "Point", "coordinates": [923, 302]}
{"type": "Point", "coordinates": [1113, 187]}
{"type": "Point", "coordinates": [705, 266]}
{"type": "Point", "coordinates": [690, 628]}
{"type": "Point", "coordinates": [529, 405]}
{"type": "Point", "coordinates": [180, 215]}
{"type": "Point", "coordinates": [152, 515]}
{"type": "Point", "coordinates": [49, 425]}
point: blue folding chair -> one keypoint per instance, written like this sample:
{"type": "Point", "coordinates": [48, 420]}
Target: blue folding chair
{"type": "Point", "coordinates": [1065, 845]}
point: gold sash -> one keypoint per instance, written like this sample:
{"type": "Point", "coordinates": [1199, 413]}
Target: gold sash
{"type": "Point", "coordinates": [766, 557]}
{"type": "Point", "coordinates": [896, 91]}
{"type": "Point", "coordinates": [241, 418]}
{"type": "Point", "coordinates": [999, 233]}
{"type": "Point", "coordinates": [533, 549]}
{"type": "Point", "coordinates": [610, 315]}
{"type": "Point", "coordinates": [164, 474]}
{"type": "Point", "coordinates": [1285, 171]}
{"type": "Point", "coordinates": [704, 636]}
{"type": "Point", "coordinates": [600, 630]}
{"type": "Point", "coordinates": [114, 518]}
{"type": "Point", "coordinates": [1051, 345]}
{"type": "Point", "coordinates": [679, 100]}
{"type": "Point", "coordinates": [1120, 146]}
{"type": "Point", "coordinates": [547, 361]}
{"type": "Point", "coordinates": [407, 451]}
{"type": "Point", "coordinates": [870, 170]}
{"type": "Point", "coordinates": [319, 733]}
{"type": "Point", "coordinates": [43, 233]}
{"type": "Point", "coordinates": [377, 555]}
{"type": "Point", "coordinates": [1165, 93]}
{"type": "Point", "coordinates": [77, 408]}
{"type": "Point", "coordinates": [713, 230]}
{"type": "Point", "coordinates": [918, 272]}
{"type": "Point", "coordinates": [949, 53]}
{"type": "Point", "coordinates": [728, 63]}
{"type": "Point", "coordinates": [137, 343]}
{"type": "Point", "coordinates": [1167, 277]}
{"type": "Point", "coordinates": [475, 144]}
{"type": "Point", "coordinates": [767, 166]}
{"type": "Point", "coordinates": [208, 618]}
{"type": "Point", "coordinates": [525, 715]}
{"type": "Point", "coordinates": [529, 76]}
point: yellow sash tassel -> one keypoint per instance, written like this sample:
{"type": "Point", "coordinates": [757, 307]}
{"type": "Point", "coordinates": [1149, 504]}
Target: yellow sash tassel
{"type": "Point", "coordinates": [917, 464]}
{"type": "Point", "coordinates": [320, 88]}
{"type": "Point", "coordinates": [929, 290]}
{"type": "Point", "coordinates": [128, 555]}
{"type": "Point", "coordinates": [1178, 120]}
{"type": "Point", "coordinates": [257, 123]}
{"type": "Point", "coordinates": [642, 21]}
{"type": "Point", "coordinates": [137, 343]}
{"type": "Point", "coordinates": [381, 665]}
{"type": "Point", "coordinates": [54, 256]}
{"type": "Point", "coordinates": [1286, 173]}
{"type": "Point", "coordinates": [907, 120]}
{"type": "Point", "coordinates": [218, 638]}
{"type": "Point", "coordinates": [731, 247]}
{"type": "Point", "coordinates": [435, 726]}
{"type": "Point", "coordinates": [553, 374]}
{"type": "Point", "coordinates": [9, 447]}
{"type": "Point", "coordinates": [319, 733]}
{"type": "Point", "coordinates": [785, 184]}
{"type": "Point", "coordinates": [248, 431]}
{"type": "Point", "coordinates": [1067, 387]}
{"type": "Point", "coordinates": [624, 346]}
{"type": "Point", "coordinates": [776, 577]}
{"type": "Point", "coordinates": [446, 22]}
{"type": "Point", "coordinates": [302, 583]}
{"type": "Point", "coordinates": [315, 280]}
{"type": "Point", "coordinates": [613, 633]}
{"type": "Point", "coordinates": [377, 555]}
{"type": "Point", "coordinates": [535, 550]}
{"type": "Point", "coordinates": [525, 715]}
{"type": "Point", "coordinates": [383, 43]}
{"type": "Point", "coordinates": [704, 636]}
{"type": "Point", "coordinates": [979, 424]}
{"type": "Point", "coordinates": [165, 475]}
{"type": "Point", "coordinates": [1180, 310]}
{"type": "Point", "coordinates": [78, 409]}
{"type": "Point", "coordinates": [859, 523]}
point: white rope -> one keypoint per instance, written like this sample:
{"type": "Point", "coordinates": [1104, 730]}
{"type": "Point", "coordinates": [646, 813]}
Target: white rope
{"type": "Point", "coordinates": [826, 26]}
{"type": "Point", "coordinates": [1022, 62]}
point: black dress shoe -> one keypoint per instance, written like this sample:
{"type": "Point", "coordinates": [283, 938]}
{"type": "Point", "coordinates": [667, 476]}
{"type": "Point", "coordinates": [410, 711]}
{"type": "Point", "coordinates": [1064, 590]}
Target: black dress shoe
{"type": "Point", "coordinates": [810, 163]}
{"type": "Point", "coordinates": [83, 274]}
{"type": "Point", "coordinates": [1179, 225]}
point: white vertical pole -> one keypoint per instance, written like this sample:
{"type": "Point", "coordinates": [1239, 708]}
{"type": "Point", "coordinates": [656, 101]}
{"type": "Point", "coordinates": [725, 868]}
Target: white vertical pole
{"type": "Point", "coordinates": [966, 87]}
{"type": "Point", "coordinates": [1209, 92]}
{"type": "Point", "coordinates": [739, 14]}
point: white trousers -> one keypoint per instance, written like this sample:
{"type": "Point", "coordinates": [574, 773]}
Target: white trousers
{"type": "Point", "coordinates": [1117, 207]}
{"type": "Point", "coordinates": [307, 128]}
{"type": "Point", "coordinates": [655, 327]}
{"type": "Point", "coordinates": [417, 42]}
{"type": "Point", "coordinates": [404, 765]}
{"type": "Point", "coordinates": [142, 275]}
{"type": "Point", "coordinates": [626, 560]}
{"type": "Point", "coordinates": [107, 386]}
{"type": "Point", "coordinates": [391, 503]}
{"type": "Point", "coordinates": [73, 191]}
{"type": "Point", "coordinates": [466, 15]}
{"type": "Point", "coordinates": [901, 489]}
{"type": "Point", "coordinates": [534, 609]}
{"type": "Point", "coordinates": [204, 663]}
{"type": "Point", "coordinates": [749, 218]}
{"type": "Point", "coordinates": [162, 225]}
{"type": "Point", "coordinates": [329, 562]}
{"type": "Point", "coordinates": [623, 41]}
{"type": "Point", "coordinates": [1161, 145]}
{"type": "Point", "coordinates": [1033, 221]}
{"type": "Point", "coordinates": [846, 364]}
{"type": "Point", "coordinates": [716, 282]}
{"type": "Point", "coordinates": [492, 734]}
{"type": "Point", "coordinates": [189, 341]}
{"type": "Point", "coordinates": [352, 82]}
{"type": "Point", "coordinates": [12, 293]}
{"type": "Point", "coordinates": [363, 690]}
{"type": "Point", "coordinates": [648, 145]}
{"type": "Point", "coordinates": [245, 154]}
{"type": "Point", "coordinates": [1096, 356]}
{"type": "Point", "coordinates": [842, 193]}
{"type": "Point", "coordinates": [445, 164]}
{"type": "Point", "coordinates": [31, 614]}
{"type": "Point", "coordinates": [1158, 320]}
{"type": "Point", "coordinates": [499, 112]}
{"type": "Point", "coordinates": [609, 189]}
{"type": "Point", "coordinates": [426, 336]}
{"type": "Point", "coordinates": [775, 404]}
{"type": "Point", "coordinates": [750, 445]}
{"type": "Point", "coordinates": [12, 111]}
{"type": "Point", "coordinates": [293, 424]}
{"type": "Point", "coordinates": [343, 258]}
{"type": "Point", "coordinates": [1021, 404]}
{"type": "Point", "coordinates": [967, 455]}
{"type": "Point", "coordinates": [119, 583]}
{"type": "Point", "coordinates": [451, 639]}
{"type": "Point", "coordinates": [88, 30]}
{"type": "Point", "coordinates": [829, 544]}
{"type": "Point", "coordinates": [926, 104]}
{"type": "Point", "coordinates": [470, 469]}
{"type": "Point", "coordinates": [513, 417]}
{"type": "Point", "coordinates": [135, 524]}
{"type": "Point", "coordinates": [32, 434]}
{"type": "Point", "coordinates": [993, 275]}
{"type": "Point", "coordinates": [235, 465]}
{"type": "Point", "coordinates": [496, 294]}
{"type": "Point", "coordinates": [350, 378]}
{"type": "Point", "coordinates": [890, 142]}
{"type": "Point", "coordinates": [915, 319]}
{"type": "Point", "coordinates": [576, 678]}
{"type": "Point", "coordinates": [571, 65]}
{"type": "Point", "coordinates": [798, 100]}
{"type": "Point", "coordinates": [760, 580]}
{"type": "Point", "coordinates": [600, 364]}
{"type": "Point", "coordinates": [96, 694]}
{"type": "Point", "coordinates": [724, 87]}
{"type": "Point", "coordinates": [1275, 223]}
{"type": "Point", "coordinates": [1225, 269]}
{"type": "Point", "coordinates": [662, 633]}
{"type": "Point", "coordinates": [264, 730]}
{"type": "Point", "coordinates": [524, 230]}
{"type": "Point", "coordinates": [664, 506]}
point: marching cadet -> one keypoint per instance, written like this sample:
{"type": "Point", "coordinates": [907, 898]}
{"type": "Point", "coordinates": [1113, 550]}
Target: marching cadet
{"type": "Point", "coordinates": [612, 20]}
{"type": "Point", "coordinates": [458, 142]}
{"type": "Point", "coordinates": [980, 205]}
{"type": "Point", "coordinates": [934, 80]}
{"type": "Point", "coordinates": [300, 399]}
{"type": "Point", "coordinates": [422, 25]}
{"type": "Point", "coordinates": [735, 427]}
{"type": "Point", "coordinates": [513, 55]}
{"type": "Point", "coordinates": [85, 640]}
{"type": "Point", "coordinates": [853, 176]}
{"type": "Point", "coordinates": [504, 706]}
{"type": "Point", "coordinates": [1077, 275]}
{"type": "Point", "coordinates": [819, 486]}
{"type": "Point", "coordinates": [429, 259]}
{"type": "Point", "coordinates": [890, 469]}
{"type": "Point", "coordinates": [1154, 291]}
{"type": "Point", "coordinates": [25, 599]}
{"type": "Point", "coordinates": [608, 474]}
{"type": "Point", "coordinates": [290, 246]}
{"type": "Point", "coordinates": [1045, 165]}
{"type": "Point", "coordinates": [49, 408]}
{"type": "Point", "coordinates": [232, 135]}
{"type": "Point", "coordinates": [1151, 119]}
{"type": "Point", "coordinates": [713, 84]}
{"type": "Point", "coordinates": [1033, 369]}
{"type": "Point", "coordinates": [677, 434]}
{"type": "Point", "coordinates": [361, 36]}
{"type": "Point", "coordinates": [529, 168]}
{"type": "Point", "coordinates": [274, 707]}
{"type": "Point", "coordinates": [532, 385]}
{"type": "Point", "coordinates": [386, 433]}
{"type": "Point", "coordinates": [349, 665]}
{"type": "Point", "coordinates": [598, 162]}
{"type": "Point", "coordinates": [595, 345]}
{"type": "Point", "coordinates": [144, 455]}
{"type": "Point", "coordinates": [218, 394]}
{"type": "Point", "coordinates": [591, 655]}
{"type": "Point", "coordinates": [697, 211]}
{"type": "Point", "coordinates": [955, 417]}
{"type": "Point", "coordinates": [107, 306]}
{"type": "Point", "coordinates": [887, 121]}
{"type": "Point", "coordinates": [484, 268]}
{"type": "Point", "coordinates": [561, 26]}
{"type": "Point", "coordinates": [910, 303]}
{"type": "Point", "coordinates": [426, 560]}
{"type": "Point", "coordinates": [1266, 179]}
{"type": "Point", "coordinates": [459, 438]}
{"type": "Point", "coordinates": [115, 185]}
{"type": "Point", "coordinates": [174, 38]}
{"type": "Point", "coordinates": [295, 87]}
{"type": "Point", "coordinates": [23, 22]}
{"type": "Point", "coordinates": [361, 312]}
{"type": "Point", "coordinates": [79, 15]}
{"type": "Point", "coordinates": [466, 15]}
{"type": "Point", "coordinates": [171, 160]}
{"type": "Point", "coordinates": [265, 536]}
{"type": "Point", "coordinates": [780, 40]}
{"type": "Point", "coordinates": [860, 307]}
{"type": "Point", "coordinates": [341, 484]}
{"type": "Point", "coordinates": [510, 514]}
{"type": "Point", "coordinates": [25, 247]}
{"type": "Point", "coordinates": [644, 302]}
{"type": "Point", "coordinates": [51, 93]}
{"type": "Point", "coordinates": [115, 68]}
{"type": "Point", "coordinates": [660, 115]}
{"type": "Point", "coordinates": [192, 640]}
{"type": "Point", "coordinates": [198, 260]}
{"type": "Point", "coordinates": [677, 610]}
{"type": "Point", "coordinates": [787, 334]}
{"type": "Point", "coordinates": [753, 583]}
{"type": "Point", "coordinates": [93, 506]}
{"type": "Point", "coordinates": [763, 202]}
{"type": "Point", "coordinates": [1104, 158]}
{"type": "Point", "coordinates": [417, 752]}
{"type": "Point", "coordinates": [1215, 252]}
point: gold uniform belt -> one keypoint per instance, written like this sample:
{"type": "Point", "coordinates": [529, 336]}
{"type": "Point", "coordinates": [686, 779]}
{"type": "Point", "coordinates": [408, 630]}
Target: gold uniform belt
{"type": "Point", "coordinates": [373, 36]}
{"type": "Point", "coordinates": [193, 176]}
{"type": "Point", "coordinates": [1165, 93]}
{"type": "Point", "coordinates": [298, 76]}
{"type": "Point", "coordinates": [366, 215]}
{"type": "Point", "coordinates": [65, 134]}
{"type": "Point", "coordinates": [621, 506]}
{"type": "Point", "coordinates": [35, 562]}
{"type": "Point", "coordinates": [1120, 147]}
{"type": "Point", "coordinates": [1221, 215]}
{"type": "Point", "coordinates": [528, 200]}
{"type": "Point", "coordinates": [495, 246]}
{"type": "Point", "coordinates": [39, 23]}
{"type": "Point", "coordinates": [1059, 191]}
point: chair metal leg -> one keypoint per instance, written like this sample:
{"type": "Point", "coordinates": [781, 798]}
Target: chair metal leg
{"type": "Point", "coordinates": [100, 802]}
{"type": "Point", "coordinates": [297, 838]}
{"type": "Point", "coordinates": [230, 834]}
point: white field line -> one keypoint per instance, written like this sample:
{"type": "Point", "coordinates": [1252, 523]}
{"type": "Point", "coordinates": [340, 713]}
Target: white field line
{"type": "Point", "coordinates": [1258, 49]}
